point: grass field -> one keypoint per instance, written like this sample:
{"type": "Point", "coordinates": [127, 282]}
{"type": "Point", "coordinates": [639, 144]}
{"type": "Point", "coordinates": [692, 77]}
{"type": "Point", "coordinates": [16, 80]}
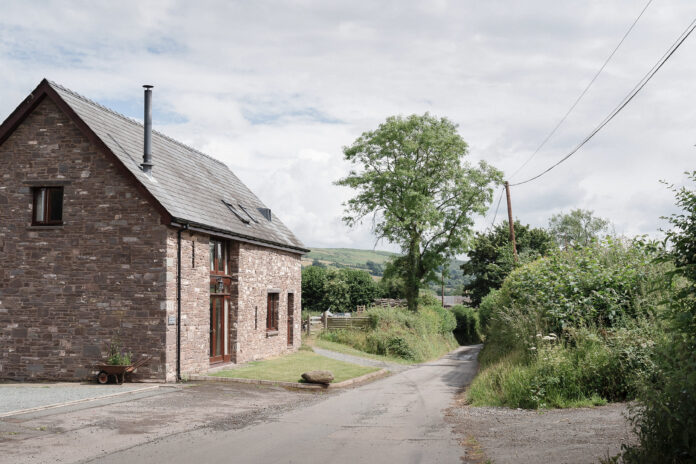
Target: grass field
{"type": "Point", "coordinates": [357, 259]}
{"type": "Point", "coordinates": [347, 256]}
{"type": "Point", "coordinates": [290, 368]}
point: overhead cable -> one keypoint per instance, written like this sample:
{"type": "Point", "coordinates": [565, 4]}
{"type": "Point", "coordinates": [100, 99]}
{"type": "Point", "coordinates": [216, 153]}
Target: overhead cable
{"type": "Point", "coordinates": [582, 94]}
{"type": "Point", "coordinates": [639, 86]}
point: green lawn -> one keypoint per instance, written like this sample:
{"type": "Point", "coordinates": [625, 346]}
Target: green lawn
{"type": "Point", "coordinates": [290, 368]}
{"type": "Point", "coordinates": [345, 349]}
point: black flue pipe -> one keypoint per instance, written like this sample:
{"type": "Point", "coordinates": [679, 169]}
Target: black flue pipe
{"type": "Point", "coordinates": [147, 148]}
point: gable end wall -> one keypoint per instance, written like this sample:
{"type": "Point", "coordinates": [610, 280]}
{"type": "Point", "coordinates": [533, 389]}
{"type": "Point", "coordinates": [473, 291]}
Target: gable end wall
{"type": "Point", "coordinates": [66, 293]}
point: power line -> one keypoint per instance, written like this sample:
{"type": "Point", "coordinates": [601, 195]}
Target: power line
{"type": "Point", "coordinates": [582, 94]}
{"type": "Point", "coordinates": [500, 197]}
{"type": "Point", "coordinates": [624, 102]}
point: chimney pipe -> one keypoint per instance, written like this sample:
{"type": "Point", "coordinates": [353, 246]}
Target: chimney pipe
{"type": "Point", "coordinates": [147, 152]}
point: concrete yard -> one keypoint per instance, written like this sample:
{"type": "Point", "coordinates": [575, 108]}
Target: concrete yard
{"type": "Point", "coordinates": [400, 418]}
{"type": "Point", "coordinates": [21, 396]}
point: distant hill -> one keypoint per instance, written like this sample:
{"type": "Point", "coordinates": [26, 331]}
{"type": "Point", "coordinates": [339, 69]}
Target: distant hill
{"type": "Point", "coordinates": [373, 261]}
{"type": "Point", "coordinates": [349, 257]}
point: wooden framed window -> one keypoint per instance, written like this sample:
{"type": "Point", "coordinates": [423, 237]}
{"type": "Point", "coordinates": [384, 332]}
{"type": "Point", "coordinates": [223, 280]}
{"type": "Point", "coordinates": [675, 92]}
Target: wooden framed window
{"type": "Point", "coordinates": [272, 312]}
{"type": "Point", "coordinates": [291, 318]}
{"type": "Point", "coordinates": [48, 206]}
{"type": "Point", "coordinates": [218, 257]}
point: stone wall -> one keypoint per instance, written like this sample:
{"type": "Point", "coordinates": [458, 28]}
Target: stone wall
{"type": "Point", "coordinates": [262, 269]}
{"type": "Point", "coordinates": [67, 291]}
{"type": "Point", "coordinates": [195, 303]}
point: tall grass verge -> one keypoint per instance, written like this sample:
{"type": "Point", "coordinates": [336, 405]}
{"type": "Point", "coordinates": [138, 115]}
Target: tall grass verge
{"type": "Point", "coordinates": [576, 328]}
{"type": "Point", "coordinates": [399, 333]}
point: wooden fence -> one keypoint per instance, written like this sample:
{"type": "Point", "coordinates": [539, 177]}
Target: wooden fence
{"type": "Point", "coordinates": [315, 324]}
{"type": "Point", "coordinates": [360, 322]}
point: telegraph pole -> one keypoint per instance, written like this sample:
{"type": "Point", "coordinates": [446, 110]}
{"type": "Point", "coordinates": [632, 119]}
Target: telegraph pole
{"type": "Point", "coordinates": [443, 286]}
{"type": "Point", "coordinates": [512, 226]}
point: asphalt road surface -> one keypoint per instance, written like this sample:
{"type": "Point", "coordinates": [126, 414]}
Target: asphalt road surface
{"type": "Point", "coordinates": [398, 419]}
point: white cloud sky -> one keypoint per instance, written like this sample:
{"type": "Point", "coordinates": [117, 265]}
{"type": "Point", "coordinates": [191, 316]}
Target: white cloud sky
{"type": "Point", "coordinates": [276, 89]}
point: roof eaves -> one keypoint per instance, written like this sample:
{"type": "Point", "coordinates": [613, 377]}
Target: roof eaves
{"type": "Point", "coordinates": [179, 222]}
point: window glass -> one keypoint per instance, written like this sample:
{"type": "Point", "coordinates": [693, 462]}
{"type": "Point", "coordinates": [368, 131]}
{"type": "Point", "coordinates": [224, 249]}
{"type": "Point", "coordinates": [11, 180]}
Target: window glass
{"type": "Point", "coordinates": [39, 200]}
{"type": "Point", "coordinates": [55, 205]}
{"type": "Point", "coordinates": [212, 255]}
{"type": "Point", "coordinates": [272, 312]}
{"type": "Point", "coordinates": [48, 206]}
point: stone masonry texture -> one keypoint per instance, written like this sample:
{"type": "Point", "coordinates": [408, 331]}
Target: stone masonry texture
{"type": "Point", "coordinates": [195, 303]}
{"type": "Point", "coordinates": [109, 273]}
{"type": "Point", "coordinates": [260, 270]}
{"type": "Point", "coordinates": [66, 293]}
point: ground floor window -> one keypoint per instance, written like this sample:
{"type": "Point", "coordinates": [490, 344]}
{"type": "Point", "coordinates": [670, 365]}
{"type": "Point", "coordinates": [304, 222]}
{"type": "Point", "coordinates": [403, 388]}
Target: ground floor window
{"type": "Point", "coordinates": [272, 312]}
{"type": "Point", "coordinates": [291, 318]}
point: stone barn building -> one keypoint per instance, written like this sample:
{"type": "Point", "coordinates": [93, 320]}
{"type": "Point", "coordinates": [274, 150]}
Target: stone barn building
{"type": "Point", "coordinates": [112, 232]}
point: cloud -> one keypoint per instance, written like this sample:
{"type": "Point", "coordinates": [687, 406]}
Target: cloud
{"type": "Point", "coordinates": [276, 89]}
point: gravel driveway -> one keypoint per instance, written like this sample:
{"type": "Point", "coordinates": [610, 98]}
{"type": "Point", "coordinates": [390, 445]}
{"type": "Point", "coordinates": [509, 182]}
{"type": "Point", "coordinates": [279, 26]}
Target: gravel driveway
{"type": "Point", "coordinates": [569, 436]}
{"type": "Point", "coordinates": [393, 367]}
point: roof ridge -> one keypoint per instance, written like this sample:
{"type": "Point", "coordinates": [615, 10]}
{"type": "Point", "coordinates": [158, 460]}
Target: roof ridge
{"type": "Point", "coordinates": [133, 121]}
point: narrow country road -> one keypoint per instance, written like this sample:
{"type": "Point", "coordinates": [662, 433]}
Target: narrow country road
{"type": "Point", "coordinates": [396, 419]}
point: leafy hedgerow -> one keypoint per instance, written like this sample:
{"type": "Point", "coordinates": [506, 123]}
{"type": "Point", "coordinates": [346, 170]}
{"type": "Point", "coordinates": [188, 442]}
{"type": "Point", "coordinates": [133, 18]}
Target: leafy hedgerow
{"type": "Point", "coordinates": [575, 328]}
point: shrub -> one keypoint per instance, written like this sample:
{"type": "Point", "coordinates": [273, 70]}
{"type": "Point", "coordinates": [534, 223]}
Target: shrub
{"type": "Point", "coordinates": [588, 367]}
{"type": "Point", "coordinates": [666, 419]}
{"type": "Point", "coordinates": [400, 333]}
{"type": "Point", "coordinates": [428, 298]}
{"type": "Point", "coordinates": [576, 327]}
{"type": "Point", "coordinates": [467, 330]}
{"type": "Point", "coordinates": [603, 284]}
{"type": "Point", "coordinates": [486, 308]}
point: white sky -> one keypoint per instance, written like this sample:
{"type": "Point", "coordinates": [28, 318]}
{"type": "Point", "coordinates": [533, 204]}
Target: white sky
{"type": "Point", "coordinates": [276, 89]}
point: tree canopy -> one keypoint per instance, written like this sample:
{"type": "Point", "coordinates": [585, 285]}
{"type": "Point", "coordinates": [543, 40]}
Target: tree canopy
{"type": "Point", "coordinates": [339, 290]}
{"type": "Point", "coordinates": [409, 174]}
{"type": "Point", "coordinates": [491, 259]}
{"type": "Point", "coordinates": [577, 228]}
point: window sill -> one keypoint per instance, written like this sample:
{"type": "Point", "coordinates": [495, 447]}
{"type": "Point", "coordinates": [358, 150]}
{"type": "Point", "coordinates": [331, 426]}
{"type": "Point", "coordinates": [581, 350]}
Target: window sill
{"type": "Point", "coordinates": [271, 333]}
{"type": "Point", "coordinates": [53, 227]}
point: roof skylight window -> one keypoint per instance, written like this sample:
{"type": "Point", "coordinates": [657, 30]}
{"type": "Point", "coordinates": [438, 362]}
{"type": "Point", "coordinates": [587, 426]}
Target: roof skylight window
{"type": "Point", "coordinates": [248, 213]}
{"type": "Point", "coordinates": [235, 212]}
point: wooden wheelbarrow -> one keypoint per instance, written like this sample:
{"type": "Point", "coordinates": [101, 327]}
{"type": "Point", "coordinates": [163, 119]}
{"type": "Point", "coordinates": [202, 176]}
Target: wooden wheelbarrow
{"type": "Point", "coordinates": [118, 372]}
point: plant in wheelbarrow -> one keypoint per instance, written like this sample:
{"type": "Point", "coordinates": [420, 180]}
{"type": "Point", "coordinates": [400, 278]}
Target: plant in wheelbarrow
{"type": "Point", "coordinates": [118, 364]}
{"type": "Point", "coordinates": [118, 357]}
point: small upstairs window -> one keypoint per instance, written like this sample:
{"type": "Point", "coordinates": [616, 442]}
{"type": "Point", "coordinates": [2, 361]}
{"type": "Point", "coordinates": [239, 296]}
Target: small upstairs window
{"type": "Point", "coordinates": [48, 206]}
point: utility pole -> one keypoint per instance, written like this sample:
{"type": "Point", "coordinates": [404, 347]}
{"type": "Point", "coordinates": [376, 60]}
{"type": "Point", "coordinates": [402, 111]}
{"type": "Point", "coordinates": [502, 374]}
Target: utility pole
{"type": "Point", "coordinates": [443, 286]}
{"type": "Point", "coordinates": [512, 225]}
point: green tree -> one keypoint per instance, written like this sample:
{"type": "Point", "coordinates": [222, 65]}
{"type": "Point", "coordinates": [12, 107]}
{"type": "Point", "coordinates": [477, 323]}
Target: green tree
{"type": "Point", "coordinates": [410, 175]}
{"type": "Point", "coordinates": [375, 268]}
{"type": "Point", "coordinates": [362, 289]}
{"type": "Point", "coordinates": [336, 292]}
{"type": "Point", "coordinates": [491, 259]}
{"type": "Point", "coordinates": [313, 283]}
{"type": "Point", "coordinates": [577, 228]}
{"type": "Point", "coordinates": [391, 284]}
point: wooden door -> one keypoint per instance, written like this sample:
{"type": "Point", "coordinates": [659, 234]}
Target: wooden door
{"type": "Point", "coordinates": [291, 318]}
{"type": "Point", "coordinates": [217, 328]}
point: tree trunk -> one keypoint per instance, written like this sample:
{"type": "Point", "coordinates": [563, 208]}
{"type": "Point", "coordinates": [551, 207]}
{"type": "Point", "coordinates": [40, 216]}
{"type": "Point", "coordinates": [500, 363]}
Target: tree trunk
{"type": "Point", "coordinates": [412, 274]}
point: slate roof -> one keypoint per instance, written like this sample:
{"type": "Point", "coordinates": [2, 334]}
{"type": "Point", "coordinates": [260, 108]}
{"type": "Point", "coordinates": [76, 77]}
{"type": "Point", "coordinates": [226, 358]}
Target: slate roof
{"type": "Point", "coordinates": [190, 185]}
